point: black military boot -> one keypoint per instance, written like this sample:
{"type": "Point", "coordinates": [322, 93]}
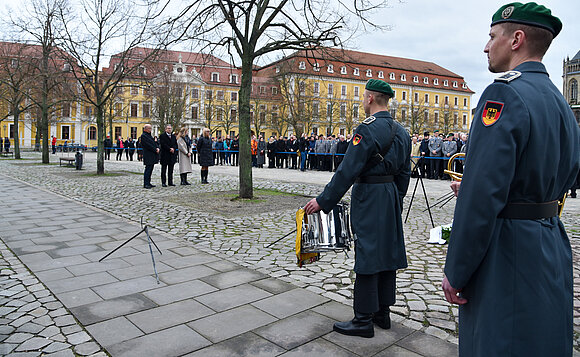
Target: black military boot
{"type": "Point", "coordinates": [382, 318]}
{"type": "Point", "coordinates": [361, 325]}
{"type": "Point", "coordinates": [202, 176]}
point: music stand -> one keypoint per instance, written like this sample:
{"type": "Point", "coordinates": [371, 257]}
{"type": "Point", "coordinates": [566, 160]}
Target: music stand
{"type": "Point", "coordinates": [149, 241]}
{"type": "Point", "coordinates": [420, 179]}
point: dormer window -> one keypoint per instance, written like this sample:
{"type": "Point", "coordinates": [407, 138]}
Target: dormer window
{"type": "Point", "coordinates": [425, 80]}
{"type": "Point", "coordinates": [381, 74]}
{"type": "Point", "coordinates": [446, 83]}
{"type": "Point", "coordinates": [302, 65]}
{"type": "Point", "coordinates": [142, 71]}
{"type": "Point", "coordinates": [369, 73]}
{"type": "Point", "coordinates": [436, 81]}
{"type": "Point", "coordinates": [234, 78]}
{"type": "Point", "coordinates": [416, 79]}
{"type": "Point", "coordinates": [316, 67]}
{"type": "Point", "coordinates": [277, 69]}
{"type": "Point", "coordinates": [66, 67]}
{"type": "Point", "coordinates": [343, 70]}
{"type": "Point", "coordinates": [215, 77]}
{"type": "Point", "coordinates": [355, 72]}
{"type": "Point", "coordinates": [464, 86]}
{"type": "Point", "coordinates": [403, 77]}
{"type": "Point", "coordinates": [392, 76]}
{"type": "Point", "coordinates": [330, 68]}
{"type": "Point", "coordinates": [454, 84]}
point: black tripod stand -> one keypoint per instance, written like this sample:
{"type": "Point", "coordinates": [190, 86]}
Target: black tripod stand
{"type": "Point", "coordinates": [149, 241]}
{"type": "Point", "coordinates": [420, 179]}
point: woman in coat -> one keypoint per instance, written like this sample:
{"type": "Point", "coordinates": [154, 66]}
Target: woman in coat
{"type": "Point", "coordinates": [184, 156]}
{"type": "Point", "coordinates": [271, 153]}
{"type": "Point", "coordinates": [261, 152]}
{"type": "Point", "coordinates": [204, 149]}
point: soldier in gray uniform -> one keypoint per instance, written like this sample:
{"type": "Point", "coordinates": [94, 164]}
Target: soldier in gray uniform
{"type": "Point", "coordinates": [320, 150]}
{"type": "Point", "coordinates": [449, 149]}
{"type": "Point", "coordinates": [435, 151]}
{"type": "Point", "coordinates": [509, 262]}
{"type": "Point", "coordinates": [378, 163]}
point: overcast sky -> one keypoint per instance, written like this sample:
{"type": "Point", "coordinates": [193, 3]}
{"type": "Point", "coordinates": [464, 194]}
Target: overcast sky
{"type": "Point", "coordinates": [453, 34]}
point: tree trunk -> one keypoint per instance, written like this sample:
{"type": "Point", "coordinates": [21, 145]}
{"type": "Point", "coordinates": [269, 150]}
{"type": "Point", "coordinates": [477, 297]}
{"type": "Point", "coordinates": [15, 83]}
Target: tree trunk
{"type": "Point", "coordinates": [16, 113]}
{"type": "Point", "coordinates": [100, 139]}
{"type": "Point", "coordinates": [245, 173]}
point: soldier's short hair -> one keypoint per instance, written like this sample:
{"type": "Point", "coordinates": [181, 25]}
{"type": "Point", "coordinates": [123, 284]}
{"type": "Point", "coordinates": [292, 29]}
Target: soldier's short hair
{"type": "Point", "coordinates": [539, 39]}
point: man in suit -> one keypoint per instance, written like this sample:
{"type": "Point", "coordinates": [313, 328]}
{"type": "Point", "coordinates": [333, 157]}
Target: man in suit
{"type": "Point", "coordinates": [150, 155]}
{"type": "Point", "coordinates": [168, 155]}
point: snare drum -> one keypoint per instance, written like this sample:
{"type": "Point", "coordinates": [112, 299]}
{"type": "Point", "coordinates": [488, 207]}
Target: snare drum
{"type": "Point", "coordinates": [323, 232]}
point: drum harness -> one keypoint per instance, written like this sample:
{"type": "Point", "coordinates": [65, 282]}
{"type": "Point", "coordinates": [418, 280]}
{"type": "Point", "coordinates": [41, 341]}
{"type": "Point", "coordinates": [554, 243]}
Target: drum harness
{"type": "Point", "coordinates": [378, 158]}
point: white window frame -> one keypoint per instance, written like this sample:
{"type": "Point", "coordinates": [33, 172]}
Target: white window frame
{"type": "Point", "coordinates": [343, 70]}
{"type": "Point", "coordinates": [356, 72]}
{"type": "Point", "coordinates": [436, 81]}
{"type": "Point", "coordinates": [302, 65]}
{"type": "Point", "coordinates": [392, 76]}
{"type": "Point", "coordinates": [425, 80]}
{"type": "Point", "coordinates": [369, 72]}
{"type": "Point", "coordinates": [403, 77]}
{"type": "Point", "coordinates": [381, 74]}
{"type": "Point", "coordinates": [330, 68]}
{"type": "Point", "coordinates": [217, 75]}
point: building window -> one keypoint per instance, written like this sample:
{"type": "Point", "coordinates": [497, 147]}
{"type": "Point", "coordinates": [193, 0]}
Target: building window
{"type": "Point", "coordinates": [234, 96]}
{"type": "Point", "coordinates": [464, 85]}
{"type": "Point", "coordinates": [392, 76]}
{"type": "Point", "coordinates": [118, 109]}
{"type": "Point", "coordinates": [218, 133]}
{"type": "Point", "coordinates": [403, 77]}
{"type": "Point", "coordinates": [215, 77]}
{"type": "Point", "coordinates": [66, 110]}
{"type": "Point", "coordinates": [277, 69]}
{"type": "Point", "coordinates": [208, 94]}
{"type": "Point", "coordinates": [425, 80]}
{"type": "Point", "coordinates": [118, 132]}
{"type": "Point", "coordinates": [416, 97]}
{"type": "Point", "coordinates": [426, 116]}
{"type": "Point", "coordinates": [274, 90]}
{"type": "Point", "coordinates": [330, 89]}
{"type": "Point", "coordinates": [381, 74]}
{"type": "Point", "coordinates": [355, 72]}
{"type": "Point", "coordinates": [234, 77]}
{"type": "Point", "coordinates": [92, 133]}
{"type": "Point", "coordinates": [316, 88]}
{"type": "Point", "coordinates": [146, 110]}
{"type": "Point", "coordinates": [369, 73]}
{"type": "Point", "coordinates": [88, 111]}
{"type": "Point", "coordinates": [329, 110]}
{"type": "Point", "coordinates": [464, 119]}
{"type": "Point", "coordinates": [66, 67]}
{"type": "Point", "coordinates": [14, 63]}
{"type": "Point", "coordinates": [436, 81]}
{"type": "Point", "coordinates": [356, 93]}
{"type": "Point", "coordinates": [404, 95]}
{"type": "Point", "coordinates": [315, 109]}
{"type": "Point", "coordinates": [456, 101]}
{"type": "Point", "coordinates": [220, 95]}
{"type": "Point", "coordinates": [330, 68]}
{"type": "Point", "coordinates": [436, 99]}
{"type": "Point", "coordinates": [573, 90]}
{"type": "Point", "coordinates": [403, 114]}
{"type": "Point", "coordinates": [426, 98]}
{"type": "Point", "coordinates": [316, 67]}
{"type": "Point", "coordinates": [343, 70]}
{"type": "Point", "coordinates": [142, 71]}
{"type": "Point", "coordinates": [343, 90]}
{"type": "Point", "coordinates": [416, 79]}
{"type": "Point", "coordinates": [134, 90]}
{"type": "Point", "coordinates": [65, 132]}
{"type": "Point", "coordinates": [302, 87]}
{"type": "Point", "coordinates": [446, 83]}
{"type": "Point", "coordinates": [134, 132]}
{"type": "Point", "coordinates": [302, 65]}
{"type": "Point", "coordinates": [194, 113]}
{"type": "Point", "coordinates": [454, 84]}
{"type": "Point", "coordinates": [133, 109]}
{"type": "Point", "coordinates": [446, 100]}
{"type": "Point", "coordinates": [355, 111]}
{"type": "Point", "coordinates": [262, 89]}
{"type": "Point", "coordinates": [455, 117]}
{"type": "Point", "coordinates": [342, 110]}
{"type": "Point", "coordinates": [465, 102]}
{"type": "Point", "coordinates": [233, 114]}
{"type": "Point", "coordinates": [220, 114]}
{"type": "Point", "coordinates": [436, 118]}
{"type": "Point", "coordinates": [341, 132]}
{"type": "Point", "coordinates": [195, 93]}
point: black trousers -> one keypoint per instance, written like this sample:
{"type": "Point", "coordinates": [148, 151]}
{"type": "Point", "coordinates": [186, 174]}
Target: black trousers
{"type": "Point", "coordinates": [373, 291]}
{"type": "Point", "coordinates": [147, 175]}
{"type": "Point", "coordinates": [435, 167]}
{"type": "Point", "coordinates": [167, 173]}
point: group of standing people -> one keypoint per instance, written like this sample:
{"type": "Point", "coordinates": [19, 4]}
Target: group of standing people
{"type": "Point", "coordinates": [5, 143]}
{"type": "Point", "coordinates": [430, 154]}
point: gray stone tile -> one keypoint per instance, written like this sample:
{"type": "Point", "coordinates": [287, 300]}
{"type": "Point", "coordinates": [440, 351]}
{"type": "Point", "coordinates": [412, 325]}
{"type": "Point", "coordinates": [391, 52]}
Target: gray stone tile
{"type": "Point", "coordinates": [54, 274]}
{"type": "Point", "coordinates": [186, 274]}
{"type": "Point", "coordinates": [396, 351]}
{"type": "Point", "coordinates": [95, 267]}
{"type": "Point", "coordinates": [290, 302]}
{"type": "Point", "coordinates": [80, 282]}
{"type": "Point", "coordinates": [143, 258]}
{"type": "Point", "coordinates": [370, 346]}
{"type": "Point", "coordinates": [139, 271]}
{"type": "Point", "coordinates": [79, 297]}
{"type": "Point", "coordinates": [123, 252]}
{"type": "Point", "coordinates": [111, 332]}
{"type": "Point", "coordinates": [166, 316]}
{"type": "Point", "coordinates": [318, 348]}
{"type": "Point", "coordinates": [127, 287]}
{"type": "Point", "coordinates": [233, 278]}
{"type": "Point", "coordinates": [194, 259]}
{"type": "Point", "coordinates": [230, 323]}
{"type": "Point", "coordinates": [72, 251]}
{"type": "Point", "coordinates": [34, 257]}
{"type": "Point", "coordinates": [184, 251]}
{"type": "Point", "coordinates": [89, 241]}
{"type": "Point", "coordinates": [35, 248]}
{"type": "Point", "coordinates": [427, 345]}
{"type": "Point", "coordinates": [335, 310]}
{"type": "Point", "coordinates": [296, 330]}
{"type": "Point", "coordinates": [272, 285]}
{"type": "Point", "coordinates": [223, 265]}
{"type": "Point", "coordinates": [175, 341]}
{"type": "Point", "coordinates": [246, 345]}
{"type": "Point", "coordinates": [50, 264]}
{"type": "Point", "coordinates": [179, 292]}
{"type": "Point", "coordinates": [232, 297]}
{"type": "Point", "coordinates": [104, 310]}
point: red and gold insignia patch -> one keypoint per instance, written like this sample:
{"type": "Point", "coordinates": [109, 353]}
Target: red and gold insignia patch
{"type": "Point", "coordinates": [491, 112]}
{"type": "Point", "coordinates": [356, 140]}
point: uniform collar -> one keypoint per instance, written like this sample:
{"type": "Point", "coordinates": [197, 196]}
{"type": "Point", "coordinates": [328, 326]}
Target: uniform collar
{"type": "Point", "coordinates": [531, 66]}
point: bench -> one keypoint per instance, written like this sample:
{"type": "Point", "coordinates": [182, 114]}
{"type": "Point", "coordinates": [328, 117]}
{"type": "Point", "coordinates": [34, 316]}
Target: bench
{"type": "Point", "coordinates": [6, 154]}
{"type": "Point", "coordinates": [69, 161]}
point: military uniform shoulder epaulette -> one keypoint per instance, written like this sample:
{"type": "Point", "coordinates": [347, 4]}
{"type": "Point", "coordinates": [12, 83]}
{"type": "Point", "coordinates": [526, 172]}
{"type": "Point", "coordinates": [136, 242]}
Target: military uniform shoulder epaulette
{"type": "Point", "coordinates": [508, 76]}
{"type": "Point", "coordinates": [369, 119]}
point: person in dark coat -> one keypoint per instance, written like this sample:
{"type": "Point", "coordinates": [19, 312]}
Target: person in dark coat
{"type": "Point", "coordinates": [509, 261]}
{"type": "Point", "coordinates": [150, 155]}
{"type": "Point", "coordinates": [120, 148]}
{"type": "Point", "coordinates": [7, 144]}
{"type": "Point", "coordinates": [261, 159]}
{"type": "Point", "coordinates": [424, 162]}
{"type": "Point", "coordinates": [139, 149]}
{"type": "Point", "coordinates": [235, 149]}
{"type": "Point", "coordinates": [168, 155]}
{"type": "Point", "coordinates": [108, 143]}
{"type": "Point", "coordinates": [303, 149]}
{"type": "Point", "coordinates": [377, 201]}
{"type": "Point", "coordinates": [204, 149]}
{"type": "Point", "coordinates": [129, 148]}
{"type": "Point", "coordinates": [341, 147]}
{"type": "Point", "coordinates": [271, 148]}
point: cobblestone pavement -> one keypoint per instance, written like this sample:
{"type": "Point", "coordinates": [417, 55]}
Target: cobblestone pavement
{"type": "Point", "coordinates": [244, 240]}
{"type": "Point", "coordinates": [32, 321]}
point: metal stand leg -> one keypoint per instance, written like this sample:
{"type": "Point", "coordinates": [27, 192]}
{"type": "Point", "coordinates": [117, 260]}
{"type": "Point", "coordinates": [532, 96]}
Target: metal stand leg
{"type": "Point", "coordinates": [420, 179]}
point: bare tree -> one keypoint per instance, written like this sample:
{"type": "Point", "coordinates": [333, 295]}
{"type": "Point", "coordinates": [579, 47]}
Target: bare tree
{"type": "Point", "coordinates": [93, 35]}
{"type": "Point", "coordinates": [169, 99]}
{"type": "Point", "coordinates": [258, 115]}
{"type": "Point", "coordinates": [254, 28]}
{"type": "Point", "coordinates": [229, 113]}
{"type": "Point", "coordinates": [352, 115]}
{"type": "Point", "coordinates": [418, 116]}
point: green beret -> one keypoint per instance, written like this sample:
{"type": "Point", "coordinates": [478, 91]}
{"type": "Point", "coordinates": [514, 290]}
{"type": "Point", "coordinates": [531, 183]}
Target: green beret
{"type": "Point", "coordinates": [376, 85]}
{"type": "Point", "coordinates": [530, 14]}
